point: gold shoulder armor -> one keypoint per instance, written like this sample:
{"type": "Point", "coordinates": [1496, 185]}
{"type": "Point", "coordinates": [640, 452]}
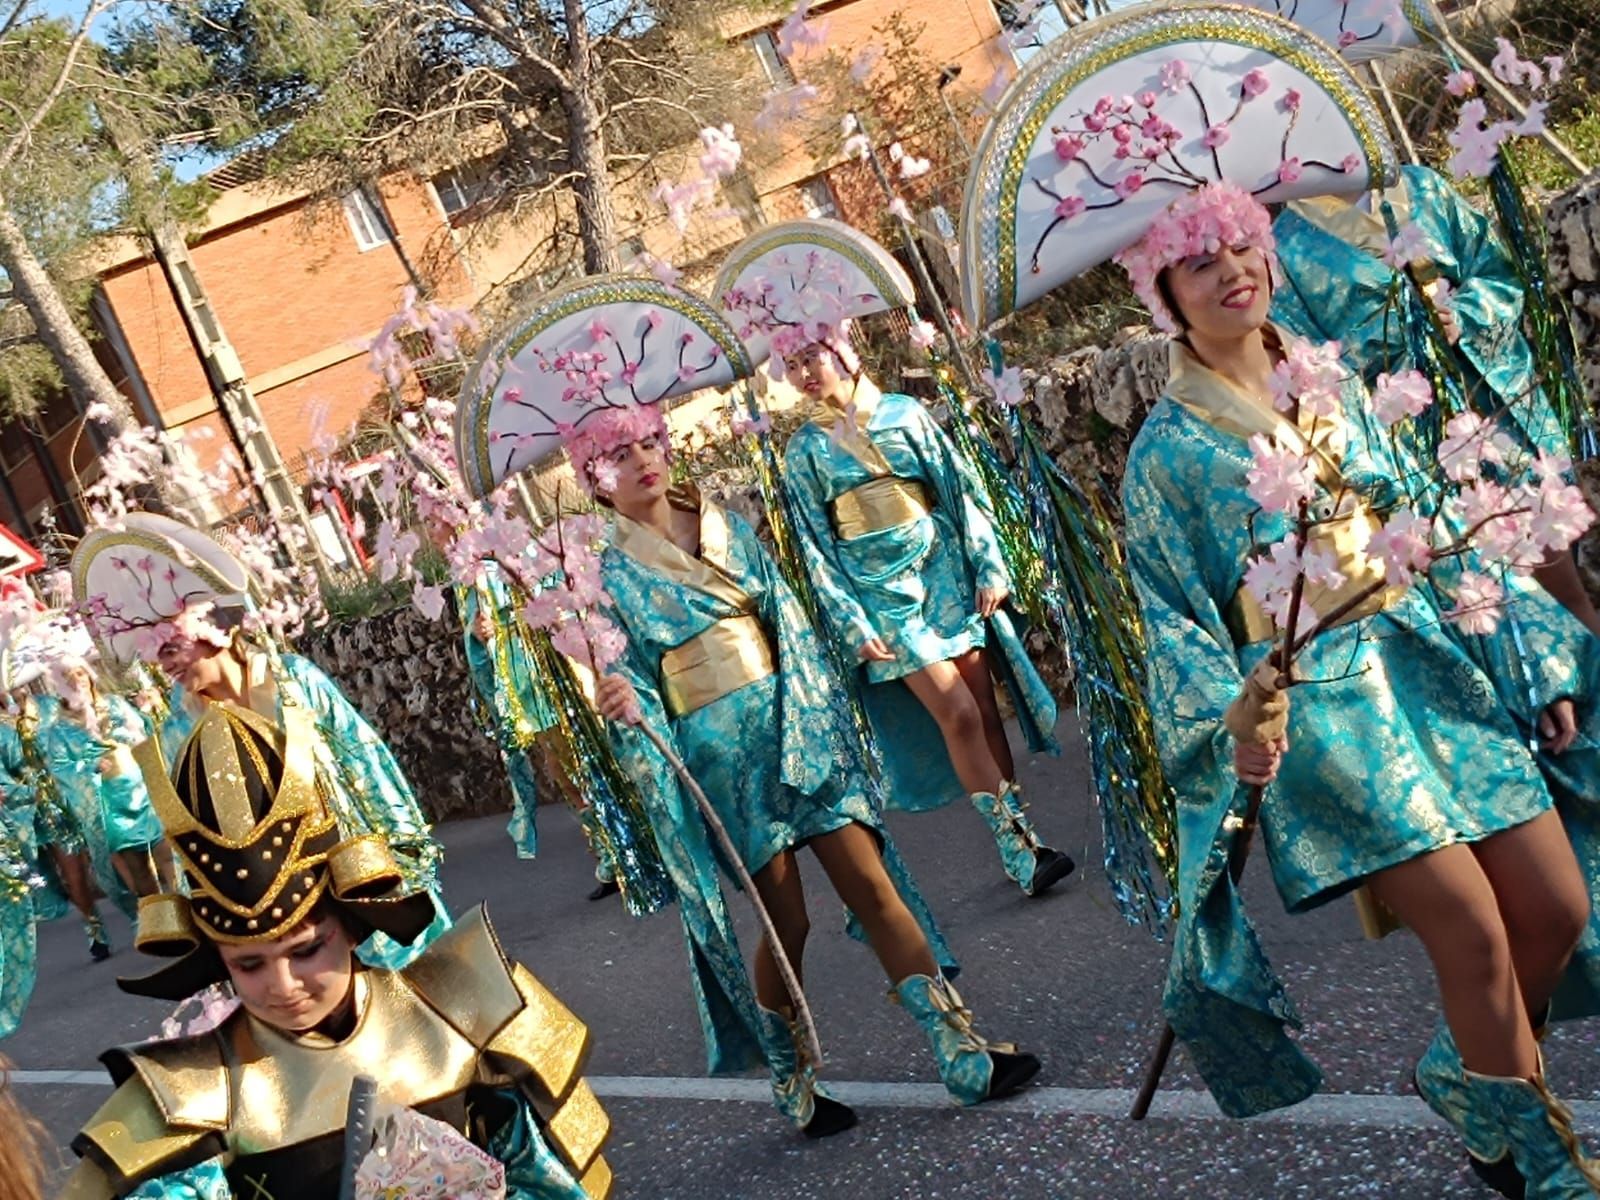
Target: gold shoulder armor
{"type": "Point", "coordinates": [134, 1137]}
{"type": "Point", "coordinates": [523, 1030]}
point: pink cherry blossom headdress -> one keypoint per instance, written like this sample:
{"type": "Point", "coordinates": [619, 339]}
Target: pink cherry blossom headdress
{"type": "Point", "coordinates": [602, 430]}
{"type": "Point", "coordinates": [1198, 222]}
{"type": "Point", "coordinates": [1115, 119]}
{"type": "Point", "coordinates": [802, 283]}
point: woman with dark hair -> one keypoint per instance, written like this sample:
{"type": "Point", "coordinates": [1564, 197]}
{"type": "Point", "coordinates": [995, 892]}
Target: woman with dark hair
{"type": "Point", "coordinates": [721, 661]}
{"type": "Point", "coordinates": [276, 901]}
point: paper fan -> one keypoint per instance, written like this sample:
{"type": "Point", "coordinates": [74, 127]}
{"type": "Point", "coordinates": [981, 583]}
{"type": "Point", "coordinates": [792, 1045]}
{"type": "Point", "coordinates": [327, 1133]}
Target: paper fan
{"type": "Point", "coordinates": [800, 272]}
{"type": "Point", "coordinates": [1116, 118]}
{"type": "Point", "coordinates": [600, 342]}
{"type": "Point", "coordinates": [146, 573]}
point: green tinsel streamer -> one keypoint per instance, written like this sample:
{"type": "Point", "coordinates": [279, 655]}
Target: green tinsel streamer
{"type": "Point", "coordinates": [1545, 315]}
{"type": "Point", "coordinates": [620, 820]}
{"type": "Point", "coordinates": [1062, 548]}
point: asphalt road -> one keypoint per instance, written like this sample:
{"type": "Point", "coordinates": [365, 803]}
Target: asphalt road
{"type": "Point", "coordinates": [1062, 976]}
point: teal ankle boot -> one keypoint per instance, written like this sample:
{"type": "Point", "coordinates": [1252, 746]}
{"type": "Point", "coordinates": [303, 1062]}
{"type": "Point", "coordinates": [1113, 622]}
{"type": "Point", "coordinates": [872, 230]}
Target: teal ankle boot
{"type": "Point", "coordinates": [1538, 1129]}
{"type": "Point", "coordinates": [795, 1089]}
{"type": "Point", "coordinates": [99, 944]}
{"type": "Point", "coordinates": [1032, 865]}
{"type": "Point", "coordinates": [972, 1068]}
{"type": "Point", "coordinates": [1441, 1082]}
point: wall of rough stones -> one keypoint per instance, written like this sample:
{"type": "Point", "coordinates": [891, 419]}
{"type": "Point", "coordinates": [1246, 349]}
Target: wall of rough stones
{"type": "Point", "coordinates": [408, 676]}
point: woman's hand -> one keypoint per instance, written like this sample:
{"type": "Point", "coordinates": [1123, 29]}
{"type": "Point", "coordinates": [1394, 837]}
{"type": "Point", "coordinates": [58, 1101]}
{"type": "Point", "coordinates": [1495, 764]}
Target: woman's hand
{"type": "Point", "coordinates": [482, 625]}
{"type": "Point", "coordinates": [1558, 726]}
{"type": "Point", "coordinates": [617, 701]}
{"type": "Point", "coordinates": [874, 650]}
{"type": "Point", "coordinates": [1257, 762]}
{"type": "Point", "coordinates": [990, 599]}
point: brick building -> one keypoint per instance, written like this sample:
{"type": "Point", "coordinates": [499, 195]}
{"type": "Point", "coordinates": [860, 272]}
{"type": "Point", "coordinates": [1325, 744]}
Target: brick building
{"type": "Point", "coordinates": [298, 291]}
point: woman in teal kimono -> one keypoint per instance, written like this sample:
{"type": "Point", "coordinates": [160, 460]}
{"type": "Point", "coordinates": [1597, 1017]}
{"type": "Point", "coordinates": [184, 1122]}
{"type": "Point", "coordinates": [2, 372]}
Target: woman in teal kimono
{"type": "Point", "coordinates": [21, 887]}
{"type": "Point", "coordinates": [721, 661]}
{"type": "Point", "coordinates": [89, 751]}
{"type": "Point", "coordinates": [367, 791]}
{"type": "Point", "coordinates": [1543, 657]}
{"type": "Point", "coordinates": [911, 579]}
{"type": "Point", "coordinates": [61, 832]}
{"type": "Point", "coordinates": [525, 725]}
{"type": "Point", "coordinates": [1396, 766]}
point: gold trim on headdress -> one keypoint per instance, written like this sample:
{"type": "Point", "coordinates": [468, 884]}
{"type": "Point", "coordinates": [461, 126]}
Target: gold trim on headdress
{"type": "Point", "coordinates": [362, 868]}
{"type": "Point", "coordinates": [166, 926]}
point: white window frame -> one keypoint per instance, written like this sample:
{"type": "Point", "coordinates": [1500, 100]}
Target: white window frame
{"type": "Point", "coordinates": [815, 208]}
{"type": "Point", "coordinates": [461, 181]}
{"type": "Point", "coordinates": [366, 226]}
{"type": "Point", "coordinates": [773, 65]}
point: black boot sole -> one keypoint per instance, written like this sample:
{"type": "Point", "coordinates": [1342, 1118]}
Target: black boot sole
{"type": "Point", "coordinates": [99, 951]}
{"type": "Point", "coordinates": [828, 1117]}
{"type": "Point", "coordinates": [609, 888]}
{"type": "Point", "coordinates": [1502, 1175]}
{"type": "Point", "coordinates": [1011, 1073]}
{"type": "Point", "coordinates": [1050, 868]}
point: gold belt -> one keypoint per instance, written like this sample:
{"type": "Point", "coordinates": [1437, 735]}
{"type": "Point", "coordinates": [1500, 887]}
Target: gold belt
{"type": "Point", "coordinates": [719, 659]}
{"type": "Point", "coordinates": [1344, 537]}
{"type": "Point", "coordinates": [880, 503]}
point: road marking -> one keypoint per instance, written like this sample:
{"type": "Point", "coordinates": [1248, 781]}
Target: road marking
{"type": "Point", "coordinates": [1339, 1109]}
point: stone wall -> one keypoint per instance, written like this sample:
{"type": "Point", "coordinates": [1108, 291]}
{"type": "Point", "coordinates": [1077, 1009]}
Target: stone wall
{"type": "Point", "coordinates": [408, 676]}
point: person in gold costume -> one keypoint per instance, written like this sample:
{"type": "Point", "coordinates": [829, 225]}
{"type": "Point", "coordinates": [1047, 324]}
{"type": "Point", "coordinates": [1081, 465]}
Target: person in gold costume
{"type": "Point", "coordinates": [276, 904]}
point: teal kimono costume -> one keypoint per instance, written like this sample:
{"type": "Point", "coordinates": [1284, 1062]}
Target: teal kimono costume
{"type": "Point", "coordinates": [504, 674]}
{"type": "Point", "coordinates": [1401, 744]}
{"type": "Point", "coordinates": [895, 533]}
{"type": "Point", "coordinates": [365, 788]}
{"type": "Point", "coordinates": [725, 664]}
{"type": "Point", "coordinates": [1337, 287]}
{"type": "Point", "coordinates": [123, 804]}
{"type": "Point", "coordinates": [20, 885]}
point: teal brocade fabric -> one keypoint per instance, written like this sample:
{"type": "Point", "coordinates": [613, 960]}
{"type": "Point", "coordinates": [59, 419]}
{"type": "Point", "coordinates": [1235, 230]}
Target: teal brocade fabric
{"type": "Point", "coordinates": [773, 758]}
{"type": "Point", "coordinates": [1400, 745]}
{"type": "Point", "coordinates": [126, 819]}
{"type": "Point", "coordinates": [913, 585]}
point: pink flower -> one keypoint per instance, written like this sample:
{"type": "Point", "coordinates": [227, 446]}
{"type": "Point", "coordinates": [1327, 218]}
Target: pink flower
{"type": "Point", "coordinates": [1347, 38]}
{"type": "Point", "coordinates": [1460, 83]}
{"type": "Point", "coordinates": [1068, 146]}
{"type": "Point", "coordinates": [1270, 577]}
{"type": "Point", "coordinates": [1070, 206]}
{"type": "Point", "coordinates": [1147, 99]}
{"type": "Point", "coordinates": [796, 32]}
{"type": "Point", "coordinates": [1480, 601]}
{"type": "Point", "coordinates": [1128, 185]}
{"type": "Point", "coordinates": [1533, 122]}
{"type": "Point", "coordinates": [923, 334]}
{"type": "Point", "coordinates": [1216, 136]}
{"type": "Point", "coordinates": [1410, 245]}
{"type": "Point", "coordinates": [1350, 163]}
{"type": "Point", "coordinates": [1561, 514]}
{"type": "Point", "coordinates": [1289, 170]}
{"type": "Point", "coordinates": [1321, 568]}
{"type": "Point", "coordinates": [428, 599]}
{"type": "Point", "coordinates": [743, 423]}
{"type": "Point", "coordinates": [1254, 83]}
{"type": "Point", "coordinates": [1290, 100]}
{"type": "Point", "coordinates": [1175, 75]}
{"type": "Point", "coordinates": [686, 373]}
{"type": "Point", "coordinates": [604, 473]}
{"type": "Point", "coordinates": [1094, 122]}
{"type": "Point", "coordinates": [1311, 376]}
{"type": "Point", "coordinates": [1481, 501]}
{"type": "Point", "coordinates": [1007, 386]}
{"type": "Point", "coordinates": [1403, 394]}
{"type": "Point", "coordinates": [865, 60]}
{"type": "Point", "coordinates": [1279, 479]}
{"type": "Point", "coordinates": [1509, 67]}
{"type": "Point", "coordinates": [1469, 442]}
{"type": "Point", "coordinates": [599, 332]}
{"type": "Point", "coordinates": [1403, 546]}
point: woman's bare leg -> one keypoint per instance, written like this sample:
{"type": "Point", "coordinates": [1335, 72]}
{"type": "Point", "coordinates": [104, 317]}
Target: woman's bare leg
{"type": "Point", "coordinates": [974, 668]}
{"type": "Point", "coordinates": [1447, 900]}
{"type": "Point", "coordinates": [945, 694]}
{"type": "Point", "coordinates": [855, 867]}
{"type": "Point", "coordinates": [73, 870]}
{"type": "Point", "coordinates": [781, 890]}
{"type": "Point", "coordinates": [1543, 899]}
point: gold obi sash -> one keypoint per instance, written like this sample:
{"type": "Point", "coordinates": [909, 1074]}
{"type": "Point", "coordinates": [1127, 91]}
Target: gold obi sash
{"type": "Point", "coordinates": [1345, 537]}
{"type": "Point", "coordinates": [880, 503]}
{"type": "Point", "coordinates": [719, 659]}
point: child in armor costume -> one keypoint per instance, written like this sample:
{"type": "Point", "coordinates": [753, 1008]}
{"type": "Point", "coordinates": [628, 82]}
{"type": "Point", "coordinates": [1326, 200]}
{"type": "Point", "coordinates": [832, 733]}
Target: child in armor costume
{"type": "Point", "coordinates": [276, 903]}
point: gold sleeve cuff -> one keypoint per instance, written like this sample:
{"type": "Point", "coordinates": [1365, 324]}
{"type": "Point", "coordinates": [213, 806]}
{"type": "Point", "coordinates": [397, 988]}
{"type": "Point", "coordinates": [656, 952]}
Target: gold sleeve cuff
{"type": "Point", "coordinates": [546, 1039]}
{"type": "Point", "coordinates": [596, 1181]}
{"type": "Point", "coordinates": [579, 1127]}
{"type": "Point", "coordinates": [129, 1140]}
